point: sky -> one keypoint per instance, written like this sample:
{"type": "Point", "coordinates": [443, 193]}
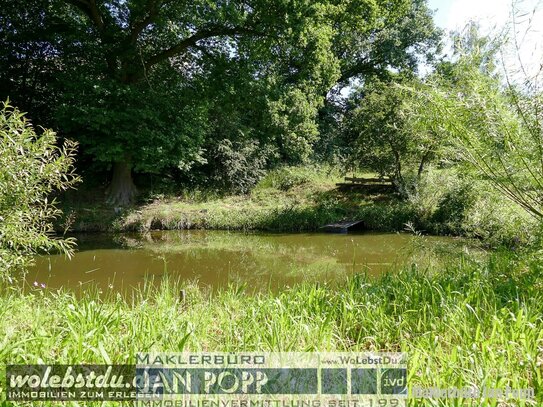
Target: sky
{"type": "Point", "coordinates": [453, 14]}
{"type": "Point", "coordinates": [493, 15]}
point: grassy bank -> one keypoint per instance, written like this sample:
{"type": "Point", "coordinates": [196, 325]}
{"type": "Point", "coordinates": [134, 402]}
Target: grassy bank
{"type": "Point", "coordinates": [304, 199]}
{"type": "Point", "coordinates": [290, 199]}
{"type": "Point", "coordinates": [471, 323]}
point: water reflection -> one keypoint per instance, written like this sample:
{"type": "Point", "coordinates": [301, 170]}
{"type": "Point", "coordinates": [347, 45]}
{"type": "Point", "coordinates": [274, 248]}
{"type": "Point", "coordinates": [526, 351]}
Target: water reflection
{"type": "Point", "coordinates": [218, 258]}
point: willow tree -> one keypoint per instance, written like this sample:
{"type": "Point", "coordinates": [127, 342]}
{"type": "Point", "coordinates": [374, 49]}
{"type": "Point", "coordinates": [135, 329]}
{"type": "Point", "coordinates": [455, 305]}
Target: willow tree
{"type": "Point", "coordinates": [32, 167]}
{"type": "Point", "coordinates": [493, 124]}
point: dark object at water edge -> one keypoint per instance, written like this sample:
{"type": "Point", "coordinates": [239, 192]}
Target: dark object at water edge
{"type": "Point", "coordinates": [344, 227]}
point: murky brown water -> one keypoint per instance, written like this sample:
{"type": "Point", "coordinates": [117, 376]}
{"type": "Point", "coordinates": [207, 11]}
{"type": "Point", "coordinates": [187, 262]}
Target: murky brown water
{"type": "Point", "coordinates": [216, 259]}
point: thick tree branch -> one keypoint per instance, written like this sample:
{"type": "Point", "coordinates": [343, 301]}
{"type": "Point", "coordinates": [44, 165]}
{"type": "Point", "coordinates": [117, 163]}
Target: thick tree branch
{"type": "Point", "coordinates": [363, 68]}
{"type": "Point", "coordinates": [90, 8]}
{"type": "Point", "coordinates": [153, 8]}
{"type": "Point", "coordinates": [191, 41]}
{"type": "Point", "coordinates": [95, 14]}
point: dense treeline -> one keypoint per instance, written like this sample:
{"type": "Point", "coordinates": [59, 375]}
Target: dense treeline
{"type": "Point", "coordinates": [212, 95]}
{"type": "Point", "coordinates": [213, 92]}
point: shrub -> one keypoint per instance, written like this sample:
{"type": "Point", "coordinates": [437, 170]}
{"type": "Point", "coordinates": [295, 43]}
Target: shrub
{"type": "Point", "coordinates": [447, 203]}
{"type": "Point", "coordinates": [498, 133]}
{"type": "Point", "coordinates": [286, 178]}
{"type": "Point", "coordinates": [32, 166]}
{"type": "Point", "coordinates": [240, 165]}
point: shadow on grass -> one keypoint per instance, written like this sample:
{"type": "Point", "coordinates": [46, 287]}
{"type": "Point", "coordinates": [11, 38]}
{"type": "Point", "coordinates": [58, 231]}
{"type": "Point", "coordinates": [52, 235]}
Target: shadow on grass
{"type": "Point", "coordinates": [86, 211]}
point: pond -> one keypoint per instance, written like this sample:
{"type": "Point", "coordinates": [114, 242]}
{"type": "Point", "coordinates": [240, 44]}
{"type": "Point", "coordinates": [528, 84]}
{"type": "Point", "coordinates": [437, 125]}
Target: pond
{"type": "Point", "coordinates": [218, 258]}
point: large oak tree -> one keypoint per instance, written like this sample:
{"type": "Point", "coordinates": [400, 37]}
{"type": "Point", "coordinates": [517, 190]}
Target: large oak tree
{"type": "Point", "coordinates": [138, 81]}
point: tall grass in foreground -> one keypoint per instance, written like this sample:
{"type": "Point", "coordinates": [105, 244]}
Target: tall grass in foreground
{"type": "Point", "coordinates": [468, 324]}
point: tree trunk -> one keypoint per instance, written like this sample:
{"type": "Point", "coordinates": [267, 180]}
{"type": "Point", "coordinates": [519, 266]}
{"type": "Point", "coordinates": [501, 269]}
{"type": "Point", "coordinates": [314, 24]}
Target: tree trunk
{"type": "Point", "coordinates": [398, 177]}
{"type": "Point", "coordinates": [422, 164]}
{"type": "Point", "coordinates": [122, 190]}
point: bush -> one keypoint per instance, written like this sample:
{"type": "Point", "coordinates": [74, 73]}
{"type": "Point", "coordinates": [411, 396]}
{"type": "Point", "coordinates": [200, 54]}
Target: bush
{"type": "Point", "coordinates": [240, 165]}
{"type": "Point", "coordinates": [32, 166]}
{"type": "Point", "coordinates": [447, 203]}
{"type": "Point", "coordinates": [497, 132]}
{"type": "Point", "coordinates": [286, 178]}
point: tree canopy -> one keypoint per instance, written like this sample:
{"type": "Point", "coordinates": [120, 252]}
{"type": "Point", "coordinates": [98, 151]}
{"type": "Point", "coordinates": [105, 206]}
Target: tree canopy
{"type": "Point", "coordinates": [155, 84]}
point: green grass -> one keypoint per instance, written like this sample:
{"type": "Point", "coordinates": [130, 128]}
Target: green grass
{"type": "Point", "coordinates": [304, 199]}
{"type": "Point", "coordinates": [289, 199]}
{"type": "Point", "coordinates": [469, 323]}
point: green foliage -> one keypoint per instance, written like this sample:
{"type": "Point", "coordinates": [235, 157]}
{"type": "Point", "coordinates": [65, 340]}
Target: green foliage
{"type": "Point", "coordinates": [451, 202]}
{"type": "Point", "coordinates": [293, 120]}
{"type": "Point", "coordinates": [32, 167]}
{"type": "Point", "coordinates": [152, 126]}
{"type": "Point", "coordinates": [463, 322]}
{"type": "Point", "coordinates": [442, 201]}
{"type": "Point", "coordinates": [399, 34]}
{"type": "Point", "coordinates": [373, 41]}
{"type": "Point", "coordinates": [495, 130]}
{"type": "Point", "coordinates": [239, 166]}
{"type": "Point", "coordinates": [159, 84]}
{"type": "Point", "coordinates": [453, 207]}
{"type": "Point", "coordinates": [144, 82]}
{"type": "Point", "coordinates": [286, 178]}
{"type": "Point", "coordinates": [386, 139]}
